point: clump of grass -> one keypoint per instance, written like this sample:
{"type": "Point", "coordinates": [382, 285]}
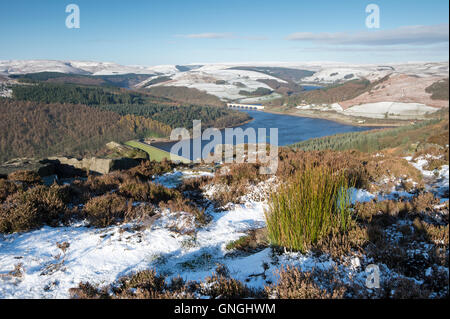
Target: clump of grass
{"type": "Point", "coordinates": [183, 205]}
{"type": "Point", "coordinates": [239, 243]}
{"type": "Point", "coordinates": [146, 170]}
{"type": "Point", "coordinates": [295, 284]}
{"type": "Point", "coordinates": [308, 208]}
{"type": "Point", "coordinates": [38, 206]}
{"type": "Point", "coordinates": [26, 177]}
{"type": "Point", "coordinates": [147, 191]}
{"type": "Point", "coordinates": [7, 188]}
{"type": "Point", "coordinates": [221, 287]}
{"type": "Point", "coordinates": [145, 284]}
{"type": "Point", "coordinates": [234, 181]}
{"type": "Point", "coordinates": [254, 240]}
{"type": "Point", "coordinates": [105, 210]}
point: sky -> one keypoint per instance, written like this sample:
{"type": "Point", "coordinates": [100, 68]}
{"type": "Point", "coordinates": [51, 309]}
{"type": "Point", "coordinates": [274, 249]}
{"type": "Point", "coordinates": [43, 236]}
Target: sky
{"type": "Point", "coordinates": [154, 32]}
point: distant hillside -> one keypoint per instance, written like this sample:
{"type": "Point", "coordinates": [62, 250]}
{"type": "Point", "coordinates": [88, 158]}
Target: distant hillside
{"type": "Point", "coordinates": [67, 93]}
{"type": "Point", "coordinates": [185, 95]}
{"type": "Point", "coordinates": [30, 129]}
{"type": "Point", "coordinates": [402, 138]}
{"type": "Point", "coordinates": [286, 74]}
{"type": "Point", "coordinates": [439, 90]}
{"type": "Point", "coordinates": [183, 116]}
{"type": "Point", "coordinates": [288, 88]}
{"type": "Point", "coordinates": [226, 80]}
{"type": "Point", "coordinates": [330, 94]}
{"type": "Point", "coordinates": [121, 80]}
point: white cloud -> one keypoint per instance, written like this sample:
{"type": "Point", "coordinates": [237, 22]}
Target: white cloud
{"type": "Point", "coordinates": [402, 35]}
{"type": "Point", "coordinates": [256, 38]}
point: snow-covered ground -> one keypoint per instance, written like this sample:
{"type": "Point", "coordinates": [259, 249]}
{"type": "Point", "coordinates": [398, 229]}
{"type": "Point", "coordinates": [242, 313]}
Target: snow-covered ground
{"type": "Point", "coordinates": [231, 82]}
{"type": "Point", "coordinates": [437, 180]}
{"type": "Point", "coordinates": [394, 110]}
{"type": "Point", "coordinates": [103, 255]}
{"type": "Point", "coordinates": [5, 91]}
{"type": "Point", "coordinates": [321, 107]}
{"type": "Point", "coordinates": [74, 67]}
{"type": "Point", "coordinates": [47, 269]}
{"type": "Point", "coordinates": [204, 76]}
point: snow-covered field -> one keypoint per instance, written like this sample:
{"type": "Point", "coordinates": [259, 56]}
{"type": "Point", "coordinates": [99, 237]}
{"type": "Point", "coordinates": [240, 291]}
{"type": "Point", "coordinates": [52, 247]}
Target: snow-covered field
{"type": "Point", "coordinates": [103, 255]}
{"type": "Point", "coordinates": [393, 110]}
{"type": "Point", "coordinates": [73, 67]}
{"type": "Point", "coordinates": [229, 82]}
{"type": "Point", "coordinates": [380, 110]}
{"type": "Point", "coordinates": [321, 107]}
{"type": "Point", "coordinates": [46, 267]}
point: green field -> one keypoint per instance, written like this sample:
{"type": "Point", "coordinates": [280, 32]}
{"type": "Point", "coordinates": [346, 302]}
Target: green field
{"type": "Point", "coordinates": [156, 154]}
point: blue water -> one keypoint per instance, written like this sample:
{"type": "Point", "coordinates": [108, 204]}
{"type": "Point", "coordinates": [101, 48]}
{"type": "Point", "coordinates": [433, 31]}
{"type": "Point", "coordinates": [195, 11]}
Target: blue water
{"type": "Point", "coordinates": [291, 129]}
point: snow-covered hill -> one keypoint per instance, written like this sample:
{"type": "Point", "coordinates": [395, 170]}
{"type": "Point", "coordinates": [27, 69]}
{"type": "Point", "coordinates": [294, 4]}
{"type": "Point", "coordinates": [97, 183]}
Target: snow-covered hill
{"type": "Point", "coordinates": [73, 67]}
{"type": "Point", "coordinates": [226, 80]}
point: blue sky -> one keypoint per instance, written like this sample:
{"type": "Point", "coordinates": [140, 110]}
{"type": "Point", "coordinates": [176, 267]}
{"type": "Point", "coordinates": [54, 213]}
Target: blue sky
{"type": "Point", "coordinates": [150, 32]}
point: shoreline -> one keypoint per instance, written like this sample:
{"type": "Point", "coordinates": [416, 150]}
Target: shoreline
{"type": "Point", "coordinates": [168, 140]}
{"type": "Point", "coordinates": [338, 119]}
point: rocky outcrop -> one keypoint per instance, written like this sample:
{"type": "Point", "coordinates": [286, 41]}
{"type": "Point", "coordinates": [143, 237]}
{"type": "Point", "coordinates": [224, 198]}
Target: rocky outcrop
{"type": "Point", "coordinates": [67, 166]}
{"type": "Point", "coordinates": [42, 167]}
{"type": "Point", "coordinates": [96, 165]}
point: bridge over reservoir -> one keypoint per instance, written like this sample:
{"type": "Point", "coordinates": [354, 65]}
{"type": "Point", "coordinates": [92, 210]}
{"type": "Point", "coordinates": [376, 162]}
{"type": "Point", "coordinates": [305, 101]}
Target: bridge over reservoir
{"type": "Point", "coordinates": [246, 106]}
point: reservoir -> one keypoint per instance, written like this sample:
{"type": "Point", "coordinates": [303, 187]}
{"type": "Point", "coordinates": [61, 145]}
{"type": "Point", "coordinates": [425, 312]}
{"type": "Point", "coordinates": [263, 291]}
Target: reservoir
{"type": "Point", "coordinates": [291, 129]}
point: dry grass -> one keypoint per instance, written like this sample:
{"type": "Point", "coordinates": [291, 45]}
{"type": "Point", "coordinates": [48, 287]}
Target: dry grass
{"type": "Point", "coordinates": [367, 171]}
{"type": "Point", "coordinates": [149, 285]}
{"type": "Point", "coordinates": [7, 188]}
{"type": "Point", "coordinates": [146, 170]}
{"type": "Point", "coordinates": [147, 192]}
{"type": "Point", "coordinates": [339, 245]}
{"type": "Point", "coordinates": [233, 182]}
{"type": "Point", "coordinates": [32, 209]}
{"type": "Point", "coordinates": [105, 210]}
{"type": "Point", "coordinates": [222, 287]}
{"type": "Point", "coordinates": [183, 205]}
{"type": "Point", "coordinates": [99, 185]}
{"type": "Point", "coordinates": [26, 177]}
{"type": "Point", "coordinates": [295, 284]}
{"type": "Point", "coordinates": [255, 240]}
{"type": "Point", "coordinates": [386, 212]}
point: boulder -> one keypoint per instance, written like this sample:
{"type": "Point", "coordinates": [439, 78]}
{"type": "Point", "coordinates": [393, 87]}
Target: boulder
{"type": "Point", "coordinates": [42, 167]}
{"type": "Point", "coordinates": [66, 167]}
{"type": "Point", "coordinates": [96, 165]}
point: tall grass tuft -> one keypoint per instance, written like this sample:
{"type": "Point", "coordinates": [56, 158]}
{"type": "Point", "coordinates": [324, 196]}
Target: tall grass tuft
{"type": "Point", "coordinates": [310, 206]}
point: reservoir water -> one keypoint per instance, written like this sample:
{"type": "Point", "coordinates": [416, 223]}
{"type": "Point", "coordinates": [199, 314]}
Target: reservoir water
{"type": "Point", "coordinates": [291, 129]}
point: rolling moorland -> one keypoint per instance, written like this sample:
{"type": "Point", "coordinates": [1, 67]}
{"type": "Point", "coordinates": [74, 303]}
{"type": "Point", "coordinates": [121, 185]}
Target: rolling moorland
{"type": "Point", "coordinates": [46, 119]}
{"type": "Point", "coordinates": [226, 231]}
{"type": "Point", "coordinates": [336, 205]}
{"type": "Point", "coordinates": [353, 93]}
